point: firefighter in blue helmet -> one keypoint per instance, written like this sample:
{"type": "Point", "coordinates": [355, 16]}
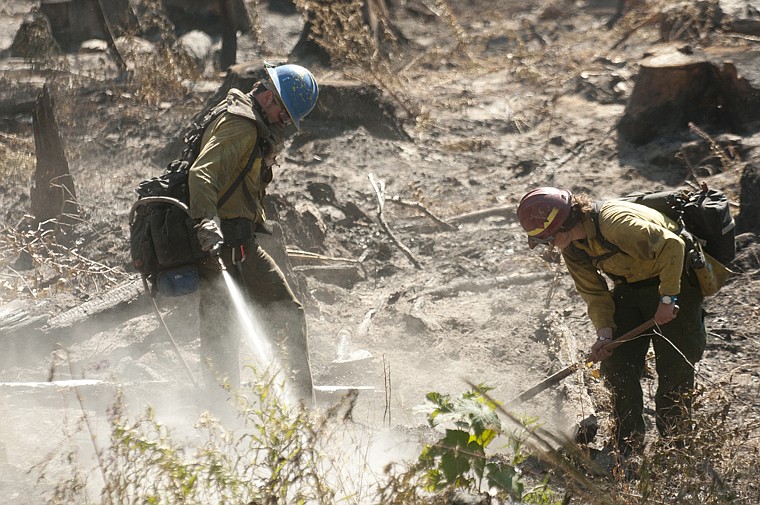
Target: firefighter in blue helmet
{"type": "Point", "coordinates": [237, 152]}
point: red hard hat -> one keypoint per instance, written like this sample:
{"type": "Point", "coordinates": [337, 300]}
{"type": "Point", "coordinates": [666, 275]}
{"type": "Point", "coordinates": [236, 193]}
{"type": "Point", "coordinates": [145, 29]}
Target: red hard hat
{"type": "Point", "coordinates": [543, 211]}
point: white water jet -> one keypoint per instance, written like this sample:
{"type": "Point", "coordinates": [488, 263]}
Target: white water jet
{"type": "Point", "coordinates": [252, 330]}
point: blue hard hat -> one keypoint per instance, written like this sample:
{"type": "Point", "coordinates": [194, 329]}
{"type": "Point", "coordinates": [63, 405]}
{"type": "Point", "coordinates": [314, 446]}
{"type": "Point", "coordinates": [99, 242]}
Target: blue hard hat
{"type": "Point", "coordinates": [297, 88]}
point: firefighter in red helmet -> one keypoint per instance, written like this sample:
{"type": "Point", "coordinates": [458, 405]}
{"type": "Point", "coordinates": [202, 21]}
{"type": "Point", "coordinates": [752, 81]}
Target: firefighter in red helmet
{"type": "Point", "coordinates": [643, 253]}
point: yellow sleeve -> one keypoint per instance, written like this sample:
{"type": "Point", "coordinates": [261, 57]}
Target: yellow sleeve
{"type": "Point", "coordinates": [591, 286]}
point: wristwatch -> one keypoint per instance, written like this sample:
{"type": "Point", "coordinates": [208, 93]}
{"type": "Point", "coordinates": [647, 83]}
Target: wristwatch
{"type": "Point", "coordinates": [668, 299]}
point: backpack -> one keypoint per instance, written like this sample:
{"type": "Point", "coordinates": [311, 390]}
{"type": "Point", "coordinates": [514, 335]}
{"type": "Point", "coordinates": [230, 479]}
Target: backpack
{"type": "Point", "coordinates": [163, 242]}
{"type": "Point", "coordinates": [704, 216]}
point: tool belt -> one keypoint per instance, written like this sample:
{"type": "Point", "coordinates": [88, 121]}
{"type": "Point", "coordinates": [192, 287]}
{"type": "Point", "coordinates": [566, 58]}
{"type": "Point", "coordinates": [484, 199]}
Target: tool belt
{"type": "Point", "coordinates": [238, 232]}
{"type": "Point", "coordinates": [652, 281]}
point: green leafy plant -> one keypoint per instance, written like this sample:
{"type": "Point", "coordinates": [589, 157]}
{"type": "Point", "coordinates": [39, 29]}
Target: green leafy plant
{"type": "Point", "coordinates": [459, 460]}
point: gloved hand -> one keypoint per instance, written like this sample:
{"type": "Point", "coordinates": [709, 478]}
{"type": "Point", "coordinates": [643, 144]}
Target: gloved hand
{"type": "Point", "coordinates": [210, 233]}
{"type": "Point", "coordinates": [599, 351]}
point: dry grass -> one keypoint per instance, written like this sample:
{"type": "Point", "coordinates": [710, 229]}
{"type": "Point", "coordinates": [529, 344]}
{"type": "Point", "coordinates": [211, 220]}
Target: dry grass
{"type": "Point", "coordinates": [17, 160]}
{"type": "Point", "coordinates": [158, 75]}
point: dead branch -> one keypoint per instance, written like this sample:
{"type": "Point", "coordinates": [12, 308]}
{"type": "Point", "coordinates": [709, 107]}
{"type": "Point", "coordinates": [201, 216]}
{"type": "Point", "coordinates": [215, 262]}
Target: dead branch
{"type": "Point", "coordinates": [380, 194]}
{"type": "Point", "coordinates": [297, 253]}
{"type": "Point", "coordinates": [653, 19]}
{"type": "Point", "coordinates": [725, 160]}
{"type": "Point", "coordinates": [505, 211]}
{"type": "Point", "coordinates": [416, 205]}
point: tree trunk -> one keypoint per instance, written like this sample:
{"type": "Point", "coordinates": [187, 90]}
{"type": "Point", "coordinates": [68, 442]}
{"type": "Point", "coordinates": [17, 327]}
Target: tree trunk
{"type": "Point", "coordinates": [228, 56]}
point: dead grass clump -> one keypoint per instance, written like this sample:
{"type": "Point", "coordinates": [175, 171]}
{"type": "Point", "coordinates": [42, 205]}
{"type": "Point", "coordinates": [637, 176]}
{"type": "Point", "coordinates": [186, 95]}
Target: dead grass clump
{"type": "Point", "coordinates": [158, 75]}
{"type": "Point", "coordinates": [17, 160]}
{"type": "Point", "coordinates": [45, 266]}
{"type": "Point", "coordinates": [364, 52]}
{"type": "Point", "coordinates": [704, 465]}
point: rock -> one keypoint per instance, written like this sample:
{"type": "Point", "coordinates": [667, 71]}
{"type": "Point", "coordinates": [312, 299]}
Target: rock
{"type": "Point", "coordinates": [93, 46]}
{"type": "Point", "coordinates": [742, 16]}
{"type": "Point", "coordinates": [197, 44]}
{"type": "Point", "coordinates": [345, 276]}
{"type": "Point", "coordinates": [134, 46]}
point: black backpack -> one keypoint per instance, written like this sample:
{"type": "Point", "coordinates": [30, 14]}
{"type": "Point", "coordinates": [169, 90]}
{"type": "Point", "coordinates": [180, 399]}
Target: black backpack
{"type": "Point", "coordinates": [705, 214]}
{"type": "Point", "coordinates": [163, 242]}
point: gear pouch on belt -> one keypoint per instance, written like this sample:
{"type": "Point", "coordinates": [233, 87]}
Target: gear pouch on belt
{"type": "Point", "coordinates": [179, 281]}
{"type": "Point", "coordinates": [711, 273]}
{"type": "Point", "coordinates": [237, 232]}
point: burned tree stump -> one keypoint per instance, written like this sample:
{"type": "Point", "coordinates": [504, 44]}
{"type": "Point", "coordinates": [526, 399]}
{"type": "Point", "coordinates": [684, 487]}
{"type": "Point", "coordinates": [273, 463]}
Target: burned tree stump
{"type": "Point", "coordinates": [748, 219]}
{"type": "Point", "coordinates": [53, 195]}
{"type": "Point", "coordinates": [677, 86]}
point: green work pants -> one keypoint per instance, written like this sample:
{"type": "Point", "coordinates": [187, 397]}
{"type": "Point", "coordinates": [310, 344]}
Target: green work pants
{"type": "Point", "coordinates": [634, 304]}
{"type": "Point", "coordinates": [275, 310]}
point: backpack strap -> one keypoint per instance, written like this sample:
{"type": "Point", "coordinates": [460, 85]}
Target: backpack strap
{"type": "Point", "coordinates": [256, 153]}
{"type": "Point", "coordinates": [612, 248]}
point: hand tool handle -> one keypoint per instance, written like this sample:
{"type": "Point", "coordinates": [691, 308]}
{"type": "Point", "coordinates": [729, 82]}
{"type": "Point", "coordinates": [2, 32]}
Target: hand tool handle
{"type": "Point", "coordinates": [570, 369]}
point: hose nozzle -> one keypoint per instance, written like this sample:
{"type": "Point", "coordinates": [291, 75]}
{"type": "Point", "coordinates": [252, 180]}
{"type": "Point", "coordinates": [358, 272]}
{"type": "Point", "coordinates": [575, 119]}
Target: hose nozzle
{"type": "Point", "coordinates": [216, 254]}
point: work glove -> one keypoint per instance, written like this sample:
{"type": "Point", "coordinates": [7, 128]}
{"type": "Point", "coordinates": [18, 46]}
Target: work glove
{"type": "Point", "coordinates": [210, 234]}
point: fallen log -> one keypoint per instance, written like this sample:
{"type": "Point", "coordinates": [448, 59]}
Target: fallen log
{"type": "Point", "coordinates": [106, 304]}
{"type": "Point", "coordinates": [484, 285]}
{"type": "Point", "coordinates": [18, 315]}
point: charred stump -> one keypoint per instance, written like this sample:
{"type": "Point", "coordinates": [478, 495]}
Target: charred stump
{"type": "Point", "coordinates": [53, 195]}
{"type": "Point", "coordinates": [678, 86]}
{"type": "Point", "coordinates": [748, 219]}
{"type": "Point", "coordinates": [74, 21]}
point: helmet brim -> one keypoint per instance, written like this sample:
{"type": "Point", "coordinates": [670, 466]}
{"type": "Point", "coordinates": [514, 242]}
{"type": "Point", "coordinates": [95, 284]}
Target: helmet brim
{"type": "Point", "coordinates": [276, 82]}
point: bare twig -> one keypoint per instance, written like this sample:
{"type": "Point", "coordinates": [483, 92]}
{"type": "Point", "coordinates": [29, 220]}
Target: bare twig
{"type": "Point", "coordinates": [24, 281]}
{"type": "Point", "coordinates": [416, 205]}
{"type": "Point", "coordinates": [98, 454]}
{"type": "Point", "coordinates": [653, 19]}
{"type": "Point", "coordinates": [725, 159]}
{"type": "Point", "coordinates": [380, 194]}
{"type": "Point", "coordinates": [387, 383]}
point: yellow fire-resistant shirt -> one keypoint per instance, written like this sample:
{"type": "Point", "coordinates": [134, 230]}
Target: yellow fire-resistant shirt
{"type": "Point", "coordinates": [650, 247]}
{"type": "Point", "coordinates": [225, 149]}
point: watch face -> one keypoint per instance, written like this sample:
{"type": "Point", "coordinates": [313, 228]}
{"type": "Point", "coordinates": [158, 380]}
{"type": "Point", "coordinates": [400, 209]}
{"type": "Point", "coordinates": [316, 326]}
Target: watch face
{"type": "Point", "coordinates": [666, 300]}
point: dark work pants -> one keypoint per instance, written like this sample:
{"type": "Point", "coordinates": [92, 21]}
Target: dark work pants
{"type": "Point", "coordinates": [623, 371]}
{"type": "Point", "coordinates": [281, 316]}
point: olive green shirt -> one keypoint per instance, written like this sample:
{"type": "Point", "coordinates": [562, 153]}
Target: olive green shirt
{"type": "Point", "coordinates": [649, 247]}
{"type": "Point", "coordinates": [225, 149]}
